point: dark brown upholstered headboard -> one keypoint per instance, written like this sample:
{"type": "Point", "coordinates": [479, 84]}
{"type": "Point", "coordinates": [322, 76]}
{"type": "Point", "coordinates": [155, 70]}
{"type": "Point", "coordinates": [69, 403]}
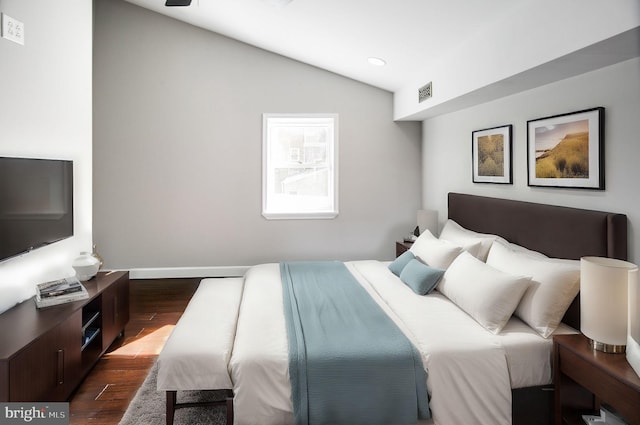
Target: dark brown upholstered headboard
{"type": "Point", "coordinates": [560, 232]}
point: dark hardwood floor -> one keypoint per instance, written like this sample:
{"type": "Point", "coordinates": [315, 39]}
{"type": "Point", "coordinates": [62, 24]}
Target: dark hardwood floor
{"type": "Point", "coordinates": [156, 306]}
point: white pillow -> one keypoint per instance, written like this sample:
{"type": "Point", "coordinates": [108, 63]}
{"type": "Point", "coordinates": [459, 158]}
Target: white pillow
{"type": "Point", "coordinates": [468, 239]}
{"type": "Point", "coordinates": [554, 285]}
{"type": "Point", "coordinates": [435, 252]}
{"type": "Point", "coordinates": [488, 295]}
{"type": "Point", "coordinates": [521, 249]}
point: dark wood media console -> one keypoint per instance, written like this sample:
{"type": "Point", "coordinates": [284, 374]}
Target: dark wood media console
{"type": "Point", "coordinates": [45, 353]}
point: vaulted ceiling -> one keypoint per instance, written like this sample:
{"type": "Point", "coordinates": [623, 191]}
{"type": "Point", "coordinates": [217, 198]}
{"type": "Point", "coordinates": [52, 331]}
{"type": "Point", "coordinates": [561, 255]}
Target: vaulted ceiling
{"type": "Point", "coordinates": [479, 47]}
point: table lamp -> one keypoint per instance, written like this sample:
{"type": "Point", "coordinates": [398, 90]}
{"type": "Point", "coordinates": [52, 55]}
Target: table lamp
{"type": "Point", "coordinates": [633, 337]}
{"type": "Point", "coordinates": [604, 296]}
{"type": "Point", "coordinates": [428, 220]}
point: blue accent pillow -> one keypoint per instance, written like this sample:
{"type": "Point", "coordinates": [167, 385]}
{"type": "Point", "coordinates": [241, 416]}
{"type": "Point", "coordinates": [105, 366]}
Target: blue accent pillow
{"type": "Point", "coordinates": [420, 277]}
{"type": "Point", "coordinates": [400, 262]}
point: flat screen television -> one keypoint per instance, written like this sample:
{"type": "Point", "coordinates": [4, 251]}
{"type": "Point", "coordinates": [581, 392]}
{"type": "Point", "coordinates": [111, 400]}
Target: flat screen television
{"type": "Point", "coordinates": [36, 203]}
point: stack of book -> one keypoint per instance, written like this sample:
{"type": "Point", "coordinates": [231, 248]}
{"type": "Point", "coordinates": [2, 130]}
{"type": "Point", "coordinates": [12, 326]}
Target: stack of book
{"type": "Point", "coordinates": [59, 292]}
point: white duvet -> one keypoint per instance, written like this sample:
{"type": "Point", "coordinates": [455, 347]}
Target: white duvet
{"type": "Point", "coordinates": [470, 371]}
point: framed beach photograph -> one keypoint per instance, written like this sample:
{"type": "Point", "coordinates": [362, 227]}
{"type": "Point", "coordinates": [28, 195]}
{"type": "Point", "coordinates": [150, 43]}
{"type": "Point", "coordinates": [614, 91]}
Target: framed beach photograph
{"type": "Point", "coordinates": [491, 153]}
{"type": "Point", "coordinates": [567, 150]}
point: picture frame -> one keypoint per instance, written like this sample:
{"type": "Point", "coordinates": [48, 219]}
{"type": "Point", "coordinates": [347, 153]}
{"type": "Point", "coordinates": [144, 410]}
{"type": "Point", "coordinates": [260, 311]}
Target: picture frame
{"type": "Point", "coordinates": [567, 150]}
{"type": "Point", "coordinates": [492, 155]}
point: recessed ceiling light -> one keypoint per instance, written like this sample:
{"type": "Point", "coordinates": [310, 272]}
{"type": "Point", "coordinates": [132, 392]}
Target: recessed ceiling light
{"type": "Point", "coordinates": [278, 3]}
{"type": "Point", "coordinates": [377, 61]}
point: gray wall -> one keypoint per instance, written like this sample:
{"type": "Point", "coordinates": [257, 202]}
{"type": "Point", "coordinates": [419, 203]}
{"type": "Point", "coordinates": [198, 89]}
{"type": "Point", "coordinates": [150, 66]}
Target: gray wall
{"type": "Point", "coordinates": [45, 112]}
{"type": "Point", "coordinates": [178, 145]}
{"type": "Point", "coordinates": [446, 145]}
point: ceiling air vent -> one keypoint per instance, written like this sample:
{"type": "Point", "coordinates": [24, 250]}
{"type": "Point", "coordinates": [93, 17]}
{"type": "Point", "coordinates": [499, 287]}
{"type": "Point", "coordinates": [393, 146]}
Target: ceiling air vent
{"type": "Point", "coordinates": [424, 92]}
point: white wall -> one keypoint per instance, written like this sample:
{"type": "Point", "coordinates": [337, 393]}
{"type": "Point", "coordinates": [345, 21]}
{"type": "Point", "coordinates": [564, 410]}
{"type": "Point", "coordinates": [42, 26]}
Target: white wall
{"type": "Point", "coordinates": [178, 145]}
{"type": "Point", "coordinates": [446, 144]}
{"type": "Point", "coordinates": [531, 42]}
{"type": "Point", "coordinates": [45, 112]}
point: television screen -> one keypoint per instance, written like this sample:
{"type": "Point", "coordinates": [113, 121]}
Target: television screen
{"type": "Point", "coordinates": [36, 203]}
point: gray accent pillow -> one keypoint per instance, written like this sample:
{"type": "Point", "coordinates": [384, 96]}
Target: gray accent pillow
{"type": "Point", "coordinates": [420, 277]}
{"type": "Point", "coordinates": [399, 263]}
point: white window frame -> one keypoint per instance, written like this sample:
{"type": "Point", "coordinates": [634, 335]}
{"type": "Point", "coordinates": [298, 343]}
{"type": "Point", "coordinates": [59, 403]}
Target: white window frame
{"type": "Point", "coordinates": [269, 210]}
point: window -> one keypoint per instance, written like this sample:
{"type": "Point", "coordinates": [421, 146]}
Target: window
{"type": "Point", "coordinates": [299, 170]}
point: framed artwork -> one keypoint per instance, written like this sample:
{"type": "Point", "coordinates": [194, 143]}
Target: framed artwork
{"type": "Point", "coordinates": [567, 150]}
{"type": "Point", "coordinates": [491, 153]}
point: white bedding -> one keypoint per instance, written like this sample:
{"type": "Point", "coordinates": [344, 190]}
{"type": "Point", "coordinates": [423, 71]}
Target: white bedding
{"type": "Point", "coordinates": [196, 355]}
{"type": "Point", "coordinates": [470, 371]}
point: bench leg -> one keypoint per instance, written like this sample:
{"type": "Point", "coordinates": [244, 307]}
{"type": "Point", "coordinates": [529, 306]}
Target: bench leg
{"type": "Point", "coordinates": [171, 406]}
{"type": "Point", "coordinates": [230, 410]}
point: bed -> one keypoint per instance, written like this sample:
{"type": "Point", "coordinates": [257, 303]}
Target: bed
{"type": "Point", "coordinates": [556, 231]}
{"type": "Point", "coordinates": [473, 377]}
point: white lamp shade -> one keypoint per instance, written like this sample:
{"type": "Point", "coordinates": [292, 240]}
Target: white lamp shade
{"type": "Point", "coordinates": [633, 338]}
{"type": "Point", "coordinates": [604, 286]}
{"type": "Point", "coordinates": [428, 220]}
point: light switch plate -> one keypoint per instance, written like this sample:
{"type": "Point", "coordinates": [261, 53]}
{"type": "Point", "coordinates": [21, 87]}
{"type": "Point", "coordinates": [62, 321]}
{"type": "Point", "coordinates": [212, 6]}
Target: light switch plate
{"type": "Point", "coordinates": [12, 29]}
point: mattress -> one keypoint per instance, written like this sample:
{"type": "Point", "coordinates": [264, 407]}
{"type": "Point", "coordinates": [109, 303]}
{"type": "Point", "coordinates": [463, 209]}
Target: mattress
{"type": "Point", "coordinates": [470, 371]}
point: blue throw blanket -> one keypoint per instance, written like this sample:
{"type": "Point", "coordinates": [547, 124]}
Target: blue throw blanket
{"type": "Point", "coordinates": [349, 363]}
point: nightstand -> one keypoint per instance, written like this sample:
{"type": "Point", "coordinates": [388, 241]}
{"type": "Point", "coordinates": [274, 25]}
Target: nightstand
{"type": "Point", "coordinates": [584, 378]}
{"type": "Point", "coordinates": [402, 247]}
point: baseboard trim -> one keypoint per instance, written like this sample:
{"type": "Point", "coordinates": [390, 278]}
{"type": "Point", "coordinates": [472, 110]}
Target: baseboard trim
{"type": "Point", "coordinates": [187, 272]}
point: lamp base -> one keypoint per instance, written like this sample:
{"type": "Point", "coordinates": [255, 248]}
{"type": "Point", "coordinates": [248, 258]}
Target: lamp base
{"type": "Point", "coordinates": [607, 348]}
